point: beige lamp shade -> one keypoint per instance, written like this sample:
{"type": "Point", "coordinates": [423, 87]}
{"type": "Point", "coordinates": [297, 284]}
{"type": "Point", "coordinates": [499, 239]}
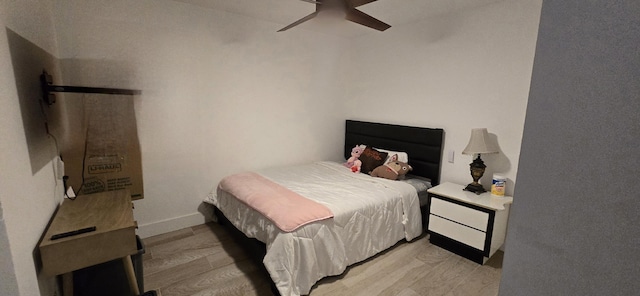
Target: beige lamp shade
{"type": "Point", "coordinates": [479, 143]}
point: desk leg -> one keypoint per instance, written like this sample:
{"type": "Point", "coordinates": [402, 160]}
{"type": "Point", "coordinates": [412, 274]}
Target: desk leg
{"type": "Point", "coordinates": [67, 284]}
{"type": "Point", "coordinates": [131, 275]}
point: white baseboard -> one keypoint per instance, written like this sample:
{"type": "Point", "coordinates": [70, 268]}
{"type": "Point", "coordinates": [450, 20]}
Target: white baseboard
{"type": "Point", "coordinates": [168, 225]}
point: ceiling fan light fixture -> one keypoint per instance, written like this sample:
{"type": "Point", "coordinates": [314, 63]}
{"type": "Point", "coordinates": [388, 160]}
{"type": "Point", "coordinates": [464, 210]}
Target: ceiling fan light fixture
{"type": "Point", "coordinates": [349, 8]}
{"type": "Point", "coordinates": [364, 19]}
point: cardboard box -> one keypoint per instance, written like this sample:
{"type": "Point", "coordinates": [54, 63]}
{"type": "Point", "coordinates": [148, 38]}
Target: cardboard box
{"type": "Point", "coordinates": [104, 151]}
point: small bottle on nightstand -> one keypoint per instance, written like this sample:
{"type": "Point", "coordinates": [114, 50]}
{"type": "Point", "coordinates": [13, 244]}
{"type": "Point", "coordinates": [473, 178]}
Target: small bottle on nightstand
{"type": "Point", "coordinates": [498, 185]}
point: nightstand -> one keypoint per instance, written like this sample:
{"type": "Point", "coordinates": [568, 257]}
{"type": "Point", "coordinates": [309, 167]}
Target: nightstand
{"type": "Point", "coordinates": [470, 225]}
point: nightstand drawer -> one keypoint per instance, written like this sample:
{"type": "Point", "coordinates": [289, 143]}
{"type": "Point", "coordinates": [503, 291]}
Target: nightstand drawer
{"type": "Point", "coordinates": [461, 214]}
{"type": "Point", "coordinates": [461, 233]}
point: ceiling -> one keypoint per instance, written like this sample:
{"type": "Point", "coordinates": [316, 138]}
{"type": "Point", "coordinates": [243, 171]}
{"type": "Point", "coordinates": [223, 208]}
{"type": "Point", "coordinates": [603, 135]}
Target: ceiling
{"type": "Point", "coordinates": [284, 12]}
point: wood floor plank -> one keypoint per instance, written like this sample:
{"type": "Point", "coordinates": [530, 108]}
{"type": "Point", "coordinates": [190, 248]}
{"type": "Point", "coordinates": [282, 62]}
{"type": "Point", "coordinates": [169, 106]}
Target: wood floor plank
{"type": "Point", "coordinates": [375, 275]}
{"type": "Point", "coordinates": [331, 286]}
{"type": "Point", "coordinates": [181, 250]}
{"type": "Point", "coordinates": [227, 278]}
{"type": "Point", "coordinates": [201, 240]}
{"type": "Point", "coordinates": [353, 273]}
{"type": "Point", "coordinates": [444, 277]}
{"type": "Point", "coordinates": [258, 285]}
{"type": "Point", "coordinates": [167, 237]}
{"type": "Point", "coordinates": [386, 278]}
{"type": "Point", "coordinates": [408, 292]}
{"type": "Point", "coordinates": [432, 257]}
{"type": "Point", "coordinates": [496, 260]}
{"type": "Point", "coordinates": [203, 260]}
{"type": "Point", "coordinates": [483, 281]}
{"type": "Point", "coordinates": [226, 255]}
{"type": "Point", "coordinates": [168, 261]}
{"type": "Point", "coordinates": [176, 274]}
{"type": "Point", "coordinates": [221, 233]}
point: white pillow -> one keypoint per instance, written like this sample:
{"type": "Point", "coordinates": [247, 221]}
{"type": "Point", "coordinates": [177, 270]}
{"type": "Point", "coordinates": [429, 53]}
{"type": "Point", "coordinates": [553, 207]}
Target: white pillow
{"type": "Point", "coordinates": [402, 156]}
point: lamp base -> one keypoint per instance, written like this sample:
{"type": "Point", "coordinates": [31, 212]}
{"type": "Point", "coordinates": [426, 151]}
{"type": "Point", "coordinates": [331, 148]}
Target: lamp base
{"type": "Point", "coordinates": [475, 188]}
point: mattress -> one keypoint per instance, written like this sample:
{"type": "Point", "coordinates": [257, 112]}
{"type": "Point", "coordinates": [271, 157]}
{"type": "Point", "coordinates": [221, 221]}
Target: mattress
{"type": "Point", "coordinates": [370, 215]}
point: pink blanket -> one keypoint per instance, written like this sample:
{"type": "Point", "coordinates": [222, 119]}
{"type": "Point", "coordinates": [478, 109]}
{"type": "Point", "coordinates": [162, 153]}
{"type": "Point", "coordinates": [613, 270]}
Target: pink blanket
{"type": "Point", "coordinates": [285, 208]}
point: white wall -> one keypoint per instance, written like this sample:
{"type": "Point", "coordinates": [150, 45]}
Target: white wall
{"type": "Point", "coordinates": [221, 93]}
{"type": "Point", "coordinates": [28, 198]}
{"type": "Point", "coordinates": [224, 92]}
{"type": "Point", "coordinates": [457, 72]}
{"type": "Point", "coordinates": [8, 98]}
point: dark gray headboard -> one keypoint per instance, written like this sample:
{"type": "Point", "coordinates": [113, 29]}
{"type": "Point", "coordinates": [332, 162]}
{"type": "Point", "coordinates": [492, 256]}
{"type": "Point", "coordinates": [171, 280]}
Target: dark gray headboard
{"type": "Point", "coordinates": [424, 145]}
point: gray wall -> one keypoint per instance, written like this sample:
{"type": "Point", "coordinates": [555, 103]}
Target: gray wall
{"type": "Point", "coordinates": [574, 223]}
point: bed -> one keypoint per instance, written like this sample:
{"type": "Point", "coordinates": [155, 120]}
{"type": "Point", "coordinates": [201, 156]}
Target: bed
{"type": "Point", "coordinates": [366, 215]}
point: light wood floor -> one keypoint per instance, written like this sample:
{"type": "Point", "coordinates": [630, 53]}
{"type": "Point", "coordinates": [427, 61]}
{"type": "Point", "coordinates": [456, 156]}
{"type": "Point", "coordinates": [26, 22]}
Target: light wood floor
{"type": "Point", "coordinates": [206, 260]}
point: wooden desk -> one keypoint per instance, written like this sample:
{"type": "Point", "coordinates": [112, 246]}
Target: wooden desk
{"type": "Point", "coordinates": [112, 214]}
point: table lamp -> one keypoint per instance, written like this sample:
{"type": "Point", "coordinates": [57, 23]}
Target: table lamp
{"type": "Point", "coordinates": [479, 143]}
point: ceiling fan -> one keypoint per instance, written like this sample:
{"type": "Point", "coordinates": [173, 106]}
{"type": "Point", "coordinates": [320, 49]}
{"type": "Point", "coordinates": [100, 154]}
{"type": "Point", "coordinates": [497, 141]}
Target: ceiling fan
{"type": "Point", "coordinates": [346, 6]}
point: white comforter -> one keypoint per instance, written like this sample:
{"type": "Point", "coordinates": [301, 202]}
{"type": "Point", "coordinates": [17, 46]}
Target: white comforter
{"type": "Point", "coordinates": [370, 215]}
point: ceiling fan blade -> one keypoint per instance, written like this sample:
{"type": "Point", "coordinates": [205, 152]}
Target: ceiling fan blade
{"type": "Point", "coordinates": [356, 3]}
{"type": "Point", "coordinates": [316, 2]}
{"type": "Point", "coordinates": [300, 21]}
{"type": "Point", "coordinates": [364, 19]}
